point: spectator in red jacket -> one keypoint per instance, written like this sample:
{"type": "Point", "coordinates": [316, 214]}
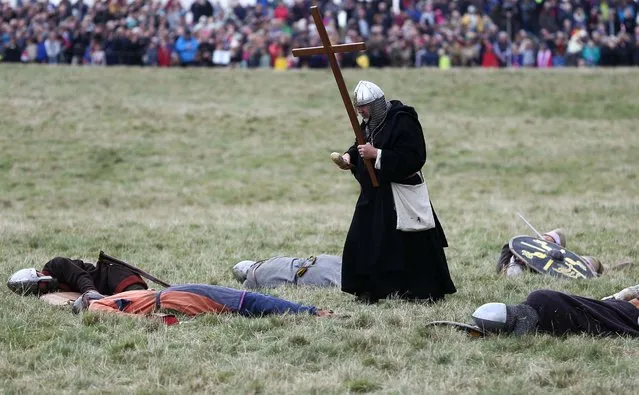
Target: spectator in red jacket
{"type": "Point", "coordinates": [488, 59]}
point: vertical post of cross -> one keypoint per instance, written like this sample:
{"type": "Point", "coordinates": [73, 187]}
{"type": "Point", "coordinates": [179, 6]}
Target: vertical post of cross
{"type": "Point", "coordinates": [330, 51]}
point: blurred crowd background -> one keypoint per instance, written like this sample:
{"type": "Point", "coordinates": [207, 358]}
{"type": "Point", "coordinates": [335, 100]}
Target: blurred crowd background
{"type": "Point", "coordinates": [262, 33]}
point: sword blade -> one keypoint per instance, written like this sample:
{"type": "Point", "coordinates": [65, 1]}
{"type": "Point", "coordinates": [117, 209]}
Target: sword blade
{"type": "Point", "coordinates": [530, 226]}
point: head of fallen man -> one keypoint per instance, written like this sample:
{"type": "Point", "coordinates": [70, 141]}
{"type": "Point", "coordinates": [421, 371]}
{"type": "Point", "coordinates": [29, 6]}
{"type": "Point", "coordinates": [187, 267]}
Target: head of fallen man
{"type": "Point", "coordinates": [31, 282]}
{"type": "Point", "coordinates": [556, 236]}
{"type": "Point", "coordinates": [516, 319]}
{"type": "Point", "coordinates": [241, 269]}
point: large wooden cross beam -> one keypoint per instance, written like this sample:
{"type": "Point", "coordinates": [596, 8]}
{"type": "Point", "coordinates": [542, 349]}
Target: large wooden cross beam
{"type": "Point", "coordinates": [330, 51]}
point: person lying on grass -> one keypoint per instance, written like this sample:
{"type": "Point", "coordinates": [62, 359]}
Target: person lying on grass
{"type": "Point", "coordinates": [318, 271]}
{"type": "Point", "coordinates": [511, 266]}
{"type": "Point", "coordinates": [192, 300]}
{"type": "Point", "coordinates": [559, 314]}
{"type": "Point", "coordinates": [75, 275]}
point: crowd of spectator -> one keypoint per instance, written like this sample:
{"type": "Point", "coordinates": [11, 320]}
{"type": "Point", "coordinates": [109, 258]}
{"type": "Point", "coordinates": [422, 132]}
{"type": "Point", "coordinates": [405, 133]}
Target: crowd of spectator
{"type": "Point", "coordinates": [404, 33]}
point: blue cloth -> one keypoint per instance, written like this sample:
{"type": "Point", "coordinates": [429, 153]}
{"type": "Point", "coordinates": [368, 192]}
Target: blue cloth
{"type": "Point", "coordinates": [122, 303]}
{"type": "Point", "coordinates": [258, 304]}
{"type": "Point", "coordinates": [229, 297]}
{"type": "Point", "coordinates": [430, 59]}
{"type": "Point", "coordinates": [558, 61]}
{"type": "Point", "coordinates": [414, 14]}
{"type": "Point", "coordinates": [244, 302]}
{"type": "Point", "coordinates": [152, 57]}
{"type": "Point", "coordinates": [186, 49]}
{"type": "Point", "coordinates": [87, 55]}
{"type": "Point", "coordinates": [41, 53]}
{"type": "Point", "coordinates": [591, 55]}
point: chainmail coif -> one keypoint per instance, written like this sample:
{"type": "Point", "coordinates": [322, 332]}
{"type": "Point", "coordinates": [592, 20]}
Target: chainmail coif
{"type": "Point", "coordinates": [520, 319]}
{"type": "Point", "coordinates": [378, 109]}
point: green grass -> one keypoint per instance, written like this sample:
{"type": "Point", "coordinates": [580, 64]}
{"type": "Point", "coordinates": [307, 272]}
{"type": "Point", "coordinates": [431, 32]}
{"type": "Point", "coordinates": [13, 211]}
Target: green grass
{"type": "Point", "coordinates": [186, 172]}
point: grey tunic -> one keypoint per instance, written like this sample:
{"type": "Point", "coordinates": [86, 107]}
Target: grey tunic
{"type": "Point", "coordinates": [320, 271]}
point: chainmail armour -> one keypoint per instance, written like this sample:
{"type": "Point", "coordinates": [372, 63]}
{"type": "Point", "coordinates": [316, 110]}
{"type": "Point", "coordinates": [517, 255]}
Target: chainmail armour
{"type": "Point", "coordinates": [520, 319]}
{"type": "Point", "coordinates": [378, 109]}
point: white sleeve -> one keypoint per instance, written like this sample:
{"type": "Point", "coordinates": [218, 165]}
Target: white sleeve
{"type": "Point", "coordinates": [378, 161]}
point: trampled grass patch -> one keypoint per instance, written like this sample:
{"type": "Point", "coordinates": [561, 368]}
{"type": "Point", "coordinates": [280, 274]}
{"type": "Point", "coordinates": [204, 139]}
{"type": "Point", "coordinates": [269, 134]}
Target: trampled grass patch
{"type": "Point", "coordinates": [186, 172]}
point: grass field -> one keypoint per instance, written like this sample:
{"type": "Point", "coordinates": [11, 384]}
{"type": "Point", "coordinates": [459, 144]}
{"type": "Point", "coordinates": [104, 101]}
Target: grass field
{"type": "Point", "coordinates": [186, 172]}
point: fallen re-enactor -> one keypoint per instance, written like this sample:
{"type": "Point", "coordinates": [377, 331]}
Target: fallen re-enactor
{"type": "Point", "coordinates": [192, 300]}
{"type": "Point", "coordinates": [558, 314]}
{"type": "Point", "coordinates": [511, 266]}
{"type": "Point", "coordinates": [65, 274]}
{"type": "Point", "coordinates": [319, 271]}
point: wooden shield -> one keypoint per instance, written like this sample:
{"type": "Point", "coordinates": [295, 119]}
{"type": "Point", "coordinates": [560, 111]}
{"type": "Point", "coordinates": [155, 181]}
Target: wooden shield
{"type": "Point", "coordinates": [471, 330]}
{"type": "Point", "coordinates": [549, 258]}
{"type": "Point", "coordinates": [60, 298]}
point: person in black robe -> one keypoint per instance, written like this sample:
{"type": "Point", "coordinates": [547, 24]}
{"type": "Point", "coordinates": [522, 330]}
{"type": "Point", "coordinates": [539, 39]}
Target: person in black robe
{"type": "Point", "coordinates": [378, 259]}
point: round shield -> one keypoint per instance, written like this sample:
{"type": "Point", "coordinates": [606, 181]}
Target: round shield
{"type": "Point", "coordinates": [549, 258]}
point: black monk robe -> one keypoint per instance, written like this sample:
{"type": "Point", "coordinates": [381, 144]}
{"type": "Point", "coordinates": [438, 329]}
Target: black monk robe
{"type": "Point", "coordinates": [378, 260]}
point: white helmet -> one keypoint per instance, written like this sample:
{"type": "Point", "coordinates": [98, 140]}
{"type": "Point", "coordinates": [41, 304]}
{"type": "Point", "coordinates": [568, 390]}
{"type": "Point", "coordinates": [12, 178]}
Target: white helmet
{"type": "Point", "coordinates": [27, 282]}
{"type": "Point", "coordinates": [491, 316]}
{"type": "Point", "coordinates": [516, 319]}
{"type": "Point", "coordinates": [368, 94]}
{"type": "Point", "coordinates": [365, 92]}
{"type": "Point", "coordinates": [240, 270]}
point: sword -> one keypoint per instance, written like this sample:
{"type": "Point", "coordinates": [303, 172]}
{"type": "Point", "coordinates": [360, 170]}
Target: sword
{"type": "Point", "coordinates": [531, 227]}
{"type": "Point", "coordinates": [110, 259]}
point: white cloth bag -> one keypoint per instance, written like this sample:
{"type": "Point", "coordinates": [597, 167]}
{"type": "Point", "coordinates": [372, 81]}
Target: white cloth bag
{"type": "Point", "coordinates": [412, 205]}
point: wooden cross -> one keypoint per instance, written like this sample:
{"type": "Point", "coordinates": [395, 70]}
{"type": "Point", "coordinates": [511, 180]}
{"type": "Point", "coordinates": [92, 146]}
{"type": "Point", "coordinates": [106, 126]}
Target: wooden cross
{"type": "Point", "coordinates": [330, 51]}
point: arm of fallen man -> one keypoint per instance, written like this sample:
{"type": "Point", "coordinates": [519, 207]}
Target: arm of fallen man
{"type": "Point", "coordinates": [626, 294]}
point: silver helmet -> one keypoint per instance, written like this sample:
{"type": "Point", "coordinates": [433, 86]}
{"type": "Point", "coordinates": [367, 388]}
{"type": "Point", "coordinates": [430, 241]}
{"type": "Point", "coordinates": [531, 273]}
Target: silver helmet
{"type": "Point", "coordinates": [365, 92]}
{"type": "Point", "coordinates": [27, 282]}
{"type": "Point", "coordinates": [498, 317]}
{"type": "Point", "coordinates": [368, 94]}
{"type": "Point", "coordinates": [240, 270]}
{"type": "Point", "coordinates": [490, 316]}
